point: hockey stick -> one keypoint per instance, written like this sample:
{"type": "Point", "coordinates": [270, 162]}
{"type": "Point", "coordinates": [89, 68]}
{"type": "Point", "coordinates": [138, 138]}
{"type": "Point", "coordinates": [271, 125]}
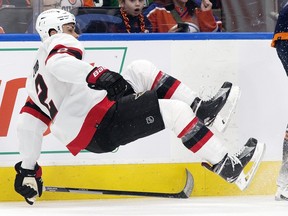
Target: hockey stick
{"type": "Point", "coordinates": [184, 193]}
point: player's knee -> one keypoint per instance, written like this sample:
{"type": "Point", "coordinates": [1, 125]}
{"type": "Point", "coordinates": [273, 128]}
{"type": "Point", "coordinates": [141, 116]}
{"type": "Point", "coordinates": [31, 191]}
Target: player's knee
{"type": "Point", "coordinates": [23, 126]}
{"type": "Point", "coordinates": [140, 65]}
{"type": "Point", "coordinates": [176, 114]}
{"type": "Point", "coordinates": [141, 68]}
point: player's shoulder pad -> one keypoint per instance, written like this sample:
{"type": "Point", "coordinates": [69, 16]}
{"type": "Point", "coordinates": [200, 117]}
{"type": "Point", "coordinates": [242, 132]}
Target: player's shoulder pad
{"type": "Point", "coordinates": [65, 40]}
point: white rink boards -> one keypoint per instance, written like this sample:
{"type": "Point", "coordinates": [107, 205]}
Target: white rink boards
{"type": "Point", "coordinates": [202, 61]}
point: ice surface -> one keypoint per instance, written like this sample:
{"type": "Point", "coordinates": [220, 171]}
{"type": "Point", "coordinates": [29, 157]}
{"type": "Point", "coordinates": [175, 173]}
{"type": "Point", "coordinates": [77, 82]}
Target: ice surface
{"type": "Point", "coordinates": [232, 205]}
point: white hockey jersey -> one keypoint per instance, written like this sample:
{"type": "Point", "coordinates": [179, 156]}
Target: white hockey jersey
{"type": "Point", "coordinates": [60, 98]}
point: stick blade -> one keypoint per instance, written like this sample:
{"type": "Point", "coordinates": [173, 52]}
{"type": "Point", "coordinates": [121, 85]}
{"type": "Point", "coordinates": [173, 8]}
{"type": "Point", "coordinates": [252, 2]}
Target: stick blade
{"type": "Point", "coordinates": [188, 188]}
{"type": "Point", "coordinates": [184, 193]}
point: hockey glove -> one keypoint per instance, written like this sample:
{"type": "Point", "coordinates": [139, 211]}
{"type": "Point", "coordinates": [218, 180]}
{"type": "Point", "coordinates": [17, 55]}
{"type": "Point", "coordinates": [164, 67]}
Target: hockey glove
{"type": "Point", "coordinates": [28, 183]}
{"type": "Point", "coordinates": [103, 79]}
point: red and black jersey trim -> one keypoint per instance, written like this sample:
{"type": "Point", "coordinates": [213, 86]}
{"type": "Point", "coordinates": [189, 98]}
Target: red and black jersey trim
{"type": "Point", "coordinates": [195, 135]}
{"type": "Point", "coordinates": [31, 108]}
{"type": "Point", "coordinates": [89, 127]}
{"type": "Point", "coordinates": [165, 85]}
{"type": "Point", "coordinates": [61, 49]}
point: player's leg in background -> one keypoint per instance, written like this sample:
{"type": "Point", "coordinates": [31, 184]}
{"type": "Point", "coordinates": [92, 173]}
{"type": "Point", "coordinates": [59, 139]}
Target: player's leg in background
{"type": "Point", "coordinates": [282, 180]}
{"type": "Point", "coordinates": [281, 45]}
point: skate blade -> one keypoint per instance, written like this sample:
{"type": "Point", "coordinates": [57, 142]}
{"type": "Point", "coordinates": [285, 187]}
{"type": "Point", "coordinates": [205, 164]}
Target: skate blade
{"type": "Point", "coordinates": [282, 194]}
{"type": "Point", "coordinates": [220, 123]}
{"type": "Point", "coordinates": [281, 198]}
{"type": "Point", "coordinates": [244, 180]}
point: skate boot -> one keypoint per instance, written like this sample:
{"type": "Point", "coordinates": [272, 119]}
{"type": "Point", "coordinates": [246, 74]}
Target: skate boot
{"type": "Point", "coordinates": [282, 194]}
{"type": "Point", "coordinates": [231, 167]}
{"type": "Point", "coordinates": [208, 111]}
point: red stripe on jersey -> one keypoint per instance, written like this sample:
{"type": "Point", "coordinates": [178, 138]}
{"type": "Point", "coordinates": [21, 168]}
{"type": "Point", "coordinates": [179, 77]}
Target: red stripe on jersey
{"type": "Point", "coordinates": [88, 129]}
{"type": "Point", "coordinates": [157, 79]}
{"type": "Point", "coordinates": [60, 49]}
{"type": "Point", "coordinates": [172, 89]}
{"type": "Point", "coordinates": [36, 114]}
{"type": "Point", "coordinates": [201, 142]}
{"type": "Point", "coordinates": [188, 127]}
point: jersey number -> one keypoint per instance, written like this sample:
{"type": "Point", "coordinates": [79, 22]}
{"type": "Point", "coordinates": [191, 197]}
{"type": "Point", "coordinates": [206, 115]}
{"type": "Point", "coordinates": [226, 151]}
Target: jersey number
{"type": "Point", "coordinates": [42, 91]}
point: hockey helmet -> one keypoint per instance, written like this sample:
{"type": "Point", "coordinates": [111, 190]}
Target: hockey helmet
{"type": "Point", "coordinates": [52, 19]}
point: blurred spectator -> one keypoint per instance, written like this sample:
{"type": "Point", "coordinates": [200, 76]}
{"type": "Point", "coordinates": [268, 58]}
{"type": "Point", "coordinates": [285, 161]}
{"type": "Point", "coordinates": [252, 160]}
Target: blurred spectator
{"type": "Point", "coordinates": [64, 4]}
{"type": "Point", "coordinates": [101, 3]}
{"type": "Point", "coordinates": [133, 20]}
{"type": "Point", "coordinates": [216, 4]}
{"type": "Point", "coordinates": [68, 5]}
{"type": "Point", "coordinates": [115, 3]}
{"type": "Point", "coordinates": [183, 16]}
{"type": "Point", "coordinates": [157, 3]}
{"type": "Point", "coordinates": [1, 30]}
{"type": "Point", "coordinates": [15, 3]}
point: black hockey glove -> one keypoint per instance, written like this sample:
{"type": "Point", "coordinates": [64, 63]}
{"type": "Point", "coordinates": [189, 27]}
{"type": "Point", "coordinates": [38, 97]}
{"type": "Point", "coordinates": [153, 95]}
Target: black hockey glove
{"type": "Point", "coordinates": [28, 183]}
{"type": "Point", "coordinates": [103, 79]}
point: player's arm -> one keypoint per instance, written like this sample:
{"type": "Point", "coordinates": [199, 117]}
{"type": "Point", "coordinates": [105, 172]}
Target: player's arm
{"type": "Point", "coordinates": [31, 126]}
{"type": "Point", "coordinates": [65, 63]}
{"type": "Point", "coordinates": [70, 69]}
{"type": "Point", "coordinates": [206, 19]}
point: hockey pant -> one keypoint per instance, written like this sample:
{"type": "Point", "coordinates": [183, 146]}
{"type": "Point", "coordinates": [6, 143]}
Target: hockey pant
{"type": "Point", "coordinates": [140, 115]}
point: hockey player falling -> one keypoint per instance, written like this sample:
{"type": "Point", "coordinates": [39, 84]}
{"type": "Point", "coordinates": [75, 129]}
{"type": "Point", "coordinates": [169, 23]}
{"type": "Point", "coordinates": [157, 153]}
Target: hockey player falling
{"type": "Point", "coordinates": [280, 42]}
{"type": "Point", "coordinates": [99, 110]}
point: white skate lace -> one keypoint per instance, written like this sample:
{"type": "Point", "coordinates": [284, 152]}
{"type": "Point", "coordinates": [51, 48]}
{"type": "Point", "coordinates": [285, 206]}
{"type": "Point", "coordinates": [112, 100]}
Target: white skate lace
{"type": "Point", "coordinates": [221, 92]}
{"type": "Point", "coordinates": [234, 158]}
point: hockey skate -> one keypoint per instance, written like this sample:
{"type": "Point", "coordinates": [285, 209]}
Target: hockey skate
{"type": "Point", "coordinates": [282, 194]}
{"type": "Point", "coordinates": [221, 104]}
{"type": "Point", "coordinates": [231, 167]}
